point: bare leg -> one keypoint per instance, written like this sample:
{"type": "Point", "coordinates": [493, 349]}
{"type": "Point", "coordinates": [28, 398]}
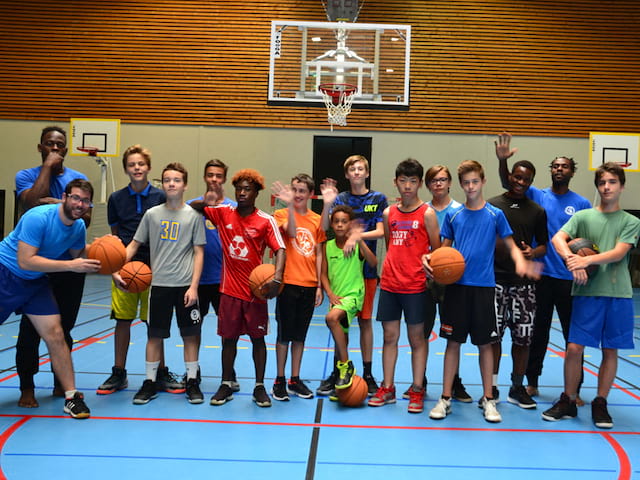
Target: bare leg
{"type": "Point", "coordinates": [496, 348]}
{"type": "Point", "coordinates": [520, 356]}
{"type": "Point", "coordinates": [282, 351]}
{"type": "Point", "coordinates": [333, 319]}
{"type": "Point", "coordinates": [297, 349]}
{"type": "Point", "coordinates": [191, 348]}
{"type": "Point", "coordinates": [419, 350]}
{"type": "Point", "coordinates": [50, 330]}
{"type": "Point", "coordinates": [259, 357]}
{"type": "Point", "coordinates": [229, 350]}
{"type": "Point", "coordinates": [391, 331]}
{"type": "Point", "coordinates": [486, 368]}
{"type": "Point", "coordinates": [122, 338]}
{"type": "Point", "coordinates": [572, 368]}
{"type": "Point", "coordinates": [366, 339]}
{"type": "Point", "coordinates": [451, 361]}
{"type": "Point", "coordinates": [607, 372]}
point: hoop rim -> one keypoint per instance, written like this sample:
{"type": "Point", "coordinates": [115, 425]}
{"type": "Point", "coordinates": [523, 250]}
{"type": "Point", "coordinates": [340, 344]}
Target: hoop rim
{"type": "Point", "coordinates": [91, 151]}
{"type": "Point", "coordinates": [329, 89]}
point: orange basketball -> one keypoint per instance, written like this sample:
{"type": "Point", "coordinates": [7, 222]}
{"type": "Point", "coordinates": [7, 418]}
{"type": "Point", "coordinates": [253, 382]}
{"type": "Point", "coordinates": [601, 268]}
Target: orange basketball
{"type": "Point", "coordinates": [355, 394]}
{"type": "Point", "coordinates": [136, 275]}
{"type": "Point", "coordinates": [447, 264]}
{"type": "Point", "coordinates": [585, 247]}
{"type": "Point", "coordinates": [260, 276]}
{"type": "Point", "coordinates": [111, 253]}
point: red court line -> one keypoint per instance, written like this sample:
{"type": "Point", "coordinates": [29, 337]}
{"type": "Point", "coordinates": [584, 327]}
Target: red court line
{"type": "Point", "coordinates": [595, 374]}
{"type": "Point", "coordinates": [623, 458]}
{"type": "Point", "coordinates": [7, 434]}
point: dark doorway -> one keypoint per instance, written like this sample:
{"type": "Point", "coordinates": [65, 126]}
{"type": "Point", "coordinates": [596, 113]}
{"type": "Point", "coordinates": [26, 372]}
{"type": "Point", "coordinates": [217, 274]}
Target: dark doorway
{"type": "Point", "coordinates": [329, 154]}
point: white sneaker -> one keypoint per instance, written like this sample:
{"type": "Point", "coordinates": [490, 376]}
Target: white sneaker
{"type": "Point", "coordinates": [441, 410]}
{"type": "Point", "coordinates": [491, 413]}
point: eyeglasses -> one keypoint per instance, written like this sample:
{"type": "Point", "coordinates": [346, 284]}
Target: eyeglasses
{"type": "Point", "coordinates": [433, 181]}
{"type": "Point", "coordinates": [85, 201]}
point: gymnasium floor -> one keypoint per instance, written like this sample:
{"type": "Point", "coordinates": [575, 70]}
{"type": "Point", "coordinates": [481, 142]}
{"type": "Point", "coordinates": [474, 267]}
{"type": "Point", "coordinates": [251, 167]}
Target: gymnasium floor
{"type": "Point", "coordinates": [316, 438]}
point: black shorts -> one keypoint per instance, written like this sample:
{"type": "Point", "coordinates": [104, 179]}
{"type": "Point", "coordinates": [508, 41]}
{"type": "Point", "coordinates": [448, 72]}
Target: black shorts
{"type": "Point", "coordinates": [162, 302]}
{"type": "Point", "coordinates": [294, 309]}
{"type": "Point", "coordinates": [470, 311]}
{"type": "Point", "coordinates": [208, 295]}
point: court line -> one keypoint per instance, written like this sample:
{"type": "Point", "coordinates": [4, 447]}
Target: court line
{"type": "Point", "coordinates": [621, 454]}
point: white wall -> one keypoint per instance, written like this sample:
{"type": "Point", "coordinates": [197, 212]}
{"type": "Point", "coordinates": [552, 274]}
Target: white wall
{"type": "Point", "coordinates": [280, 153]}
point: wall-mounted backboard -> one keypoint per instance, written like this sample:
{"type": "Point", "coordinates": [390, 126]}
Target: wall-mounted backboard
{"type": "Point", "coordinates": [101, 133]}
{"type": "Point", "coordinates": [620, 148]}
{"type": "Point", "coordinates": [373, 57]}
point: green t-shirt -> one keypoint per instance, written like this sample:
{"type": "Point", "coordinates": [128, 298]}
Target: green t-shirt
{"type": "Point", "coordinates": [605, 230]}
{"type": "Point", "coordinates": [345, 273]}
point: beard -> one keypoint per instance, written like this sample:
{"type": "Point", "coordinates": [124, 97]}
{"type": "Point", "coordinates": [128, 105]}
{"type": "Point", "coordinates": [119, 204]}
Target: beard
{"type": "Point", "coordinates": [69, 212]}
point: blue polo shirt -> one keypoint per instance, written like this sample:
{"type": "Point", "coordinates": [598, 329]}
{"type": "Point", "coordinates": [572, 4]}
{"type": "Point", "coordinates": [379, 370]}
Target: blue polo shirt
{"type": "Point", "coordinates": [125, 209]}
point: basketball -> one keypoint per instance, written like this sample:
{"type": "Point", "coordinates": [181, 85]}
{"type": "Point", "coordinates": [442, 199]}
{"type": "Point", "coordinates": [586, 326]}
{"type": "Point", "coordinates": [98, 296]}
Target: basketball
{"type": "Point", "coordinates": [111, 253]}
{"type": "Point", "coordinates": [355, 394]}
{"type": "Point", "coordinates": [585, 247]}
{"type": "Point", "coordinates": [259, 277]}
{"type": "Point", "coordinates": [136, 275]}
{"type": "Point", "coordinates": [447, 264]}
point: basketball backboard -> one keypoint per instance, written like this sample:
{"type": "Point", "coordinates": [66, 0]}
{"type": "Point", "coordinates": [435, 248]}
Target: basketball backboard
{"type": "Point", "coordinates": [103, 134]}
{"type": "Point", "coordinates": [375, 58]}
{"type": "Point", "coordinates": [620, 148]}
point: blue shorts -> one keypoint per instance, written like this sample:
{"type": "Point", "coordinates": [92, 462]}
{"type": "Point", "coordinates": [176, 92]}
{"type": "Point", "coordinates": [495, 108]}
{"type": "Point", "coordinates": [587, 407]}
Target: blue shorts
{"type": "Point", "coordinates": [31, 297]}
{"type": "Point", "coordinates": [392, 305]}
{"type": "Point", "coordinates": [602, 322]}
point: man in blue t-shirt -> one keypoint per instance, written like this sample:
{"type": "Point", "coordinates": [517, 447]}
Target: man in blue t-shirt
{"type": "Point", "coordinates": [48, 238]}
{"type": "Point", "coordinates": [554, 287]}
{"type": "Point", "coordinates": [44, 185]}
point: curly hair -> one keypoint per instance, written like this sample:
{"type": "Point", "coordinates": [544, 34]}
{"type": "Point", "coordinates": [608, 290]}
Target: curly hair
{"type": "Point", "coordinates": [251, 176]}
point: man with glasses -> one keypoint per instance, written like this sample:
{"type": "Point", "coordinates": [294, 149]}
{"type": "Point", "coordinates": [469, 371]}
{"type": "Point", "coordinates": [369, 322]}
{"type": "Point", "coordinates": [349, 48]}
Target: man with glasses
{"type": "Point", "coordinates": [44, 185]}
{"type": "Point", "coordinates": [554, 287]}
{"type": "Point", "coordinates": [47, 239]}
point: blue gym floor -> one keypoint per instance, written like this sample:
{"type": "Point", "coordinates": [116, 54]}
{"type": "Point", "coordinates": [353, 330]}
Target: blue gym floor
{"type": "Point", "coordinates": [316, 438]}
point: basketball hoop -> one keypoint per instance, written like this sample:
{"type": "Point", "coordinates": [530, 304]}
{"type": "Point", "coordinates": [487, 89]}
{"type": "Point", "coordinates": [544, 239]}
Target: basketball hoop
{"type": "Point", "coordinates": [338, 98]}
{"type": "Point", "coordinates": [91, 151]}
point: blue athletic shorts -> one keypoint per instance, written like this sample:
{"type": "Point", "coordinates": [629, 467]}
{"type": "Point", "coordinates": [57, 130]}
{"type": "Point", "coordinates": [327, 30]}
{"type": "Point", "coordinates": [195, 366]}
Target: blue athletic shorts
{"type": "Point", "coordinates": [414, 306]}
{"type": "Point", "coordinates": [25, 296]}
{"type": "Point", "coordinates": [602, 322]}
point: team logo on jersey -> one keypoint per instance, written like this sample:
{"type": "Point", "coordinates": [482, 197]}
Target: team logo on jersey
{"type": "Point", "coordinates": [238, 248]}
{"type": "Point", "coordinates": [208, 224]}
{"type": "Point", "coordinates": [304, 243]}
{"type": "Point", "coordinates": [569, 210]}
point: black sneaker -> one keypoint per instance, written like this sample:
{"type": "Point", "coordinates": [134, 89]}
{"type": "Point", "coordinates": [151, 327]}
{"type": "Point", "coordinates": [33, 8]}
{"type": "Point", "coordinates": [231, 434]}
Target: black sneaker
{"type": "Point", "coordinates": [600, 414]}
{"type": "Point", "coordinates": [260, 396]}
{"type": "Point", "coordinates": [459, 392]}
{"type": "Point", "coordinates": [327, 385]}
{"type": "Point", "coordinates": [372, 385]}
{"type": "Point", "coordinates": [169, 382]}
{"type": "Point", "coordinates": [346, 371]}
{"type": "Point", "coordinates": [194, 394]}
{"type": "Point", "coordinates": [279, 390]}
{"type": "Point", "coordinates": [297, 387]}
{"type": "Point", "coordinates": [563, 408]}
{"type": "Point", "coordinates": [495, 396]}
{"type": "Point", "coordinates": [147, 392]}
{"type": "Point", "coordinates": [223, 395]}
{"type": "Point", "coordinates": [76, 407]}
{"type": "Point", "coordinates": [519, 396]}
{"type": "Point", "coordinates": [117, 381]}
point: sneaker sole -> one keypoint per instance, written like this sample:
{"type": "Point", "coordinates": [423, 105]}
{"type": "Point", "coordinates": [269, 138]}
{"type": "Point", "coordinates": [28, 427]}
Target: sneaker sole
{"type": "Point", "coordinates": [439, 418]}
{"type": "Point", "coordinates": [493, 420]}
{"type": "Point", "coordinates": [306, 397]}
{"type": "Point", "coordinates": [280, 399]}
{"type": "Point", "coordinates": [463, 399]}
{"type": "Point", "coordinates": [138, 401]}
{"type": "Point", "coordinates": [603, 424]}
{"type": "Point", "coordinates": [521, 405]}
{"type": "Point", "coordinates": [174, 390]}
{"type": "Point", "coordinates": [415, 409]}
{"type": "Point", "coordinates": [387, 402]}
{"type": "Point", "coordinates": [79, 416]}
{"type": "Point", "coordinates": [549, 418]}
{"type": "Point", "coordinates": [220, 402]}
{"type": "Point", "coordinates": [195, 401]}
{"type": "Point", "coordinates": [105, 391]}
{"type": "Point", "coordinates": [323, 393]}
{"type": "Point", "coordinates": [262, 404]}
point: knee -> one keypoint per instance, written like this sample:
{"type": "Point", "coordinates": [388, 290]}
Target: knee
{"type": "Point", "coordinates": [574, 350]}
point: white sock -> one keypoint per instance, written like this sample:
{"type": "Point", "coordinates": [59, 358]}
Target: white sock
{"type": "Point", "coordinates": [151, 369]}
{"type": "Point", "coordinates": [495, 380]}
{"type": "Point", "coordinates": [69, 394]}
{"type": "Point", "coordinates": [192, 369]}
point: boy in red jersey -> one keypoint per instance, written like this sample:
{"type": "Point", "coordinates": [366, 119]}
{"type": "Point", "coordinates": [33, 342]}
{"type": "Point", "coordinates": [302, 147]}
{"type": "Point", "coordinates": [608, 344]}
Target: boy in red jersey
{"type": "Point", "coordinates": [245, 232]}
{"type": "Point", "coordinates": [410, 231]}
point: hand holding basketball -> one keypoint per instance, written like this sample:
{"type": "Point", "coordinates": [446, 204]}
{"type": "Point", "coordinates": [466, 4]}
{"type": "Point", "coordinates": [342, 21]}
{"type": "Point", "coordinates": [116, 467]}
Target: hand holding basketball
{"type": "Point", "coordinates": [446, 264]}
{"type": "Point", "coordinates": [582, 249]}
{"type": "Point", "coordinates": [261, 282]}
{"type": "Point", "coordinates": [110, 251]}
{"type": "Point", "coordinates": [136, 276]}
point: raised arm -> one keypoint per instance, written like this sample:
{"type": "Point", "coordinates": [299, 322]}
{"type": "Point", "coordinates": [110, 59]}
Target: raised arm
{"type": "Point", "coordinates": [504, 152]}
{"type": "Point", "coordinates": [329, 193]}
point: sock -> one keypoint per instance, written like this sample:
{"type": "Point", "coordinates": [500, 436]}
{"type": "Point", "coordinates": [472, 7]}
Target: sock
{"type": "Point", "coordinates": [151, 369]}
{"type": "Point", "coordinates": [259, 384]}
{"type": "Point", "coordinates": [366, 369]}
{"type": "Point", "coordinates": [69, 394]}
{"type": "Point", "coordinates": [573, 397]}
{"type": "Point", "coordinates": [192, 369]}
{"type": "Point", "coordinates": [516, 380]}
{"type": "Point", "coordinates": [495, 380]}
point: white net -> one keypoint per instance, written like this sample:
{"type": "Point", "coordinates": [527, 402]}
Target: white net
{"type": "Point", "coordinates": [338, 99]}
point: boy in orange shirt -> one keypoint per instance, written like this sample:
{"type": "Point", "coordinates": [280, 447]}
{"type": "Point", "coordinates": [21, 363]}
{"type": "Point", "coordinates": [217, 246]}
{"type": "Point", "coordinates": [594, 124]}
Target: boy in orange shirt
{"type": "Point", "coordinates": [303, 234]}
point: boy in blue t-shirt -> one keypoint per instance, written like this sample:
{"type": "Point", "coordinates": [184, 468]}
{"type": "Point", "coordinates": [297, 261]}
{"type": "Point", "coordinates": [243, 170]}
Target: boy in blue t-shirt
{"type": "Point", "coordinates": [469, 307]}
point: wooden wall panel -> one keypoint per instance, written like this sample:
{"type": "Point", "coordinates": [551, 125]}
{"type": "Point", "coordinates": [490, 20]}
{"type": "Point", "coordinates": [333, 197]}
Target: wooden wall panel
{"type": "Point", "coordinates": [534, 67]}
